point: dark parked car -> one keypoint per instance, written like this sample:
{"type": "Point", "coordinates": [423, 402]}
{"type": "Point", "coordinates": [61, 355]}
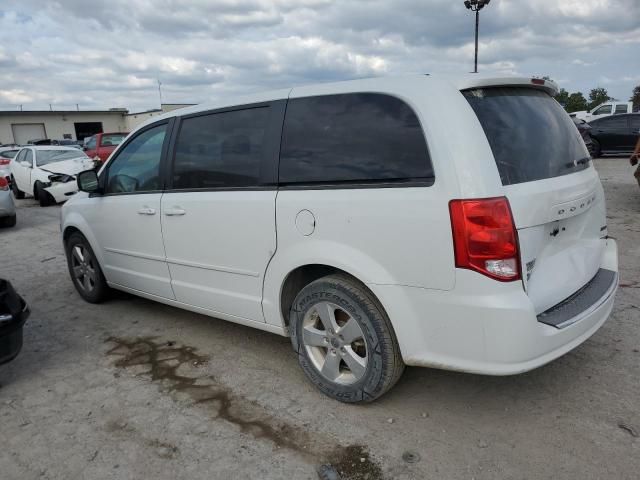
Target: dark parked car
{"type": "Point", "coordinates": [584, 128]}
{"type": "Point", "coordinates": [616, 134]}
{"type": "Point", "coordinates": [13, 314]}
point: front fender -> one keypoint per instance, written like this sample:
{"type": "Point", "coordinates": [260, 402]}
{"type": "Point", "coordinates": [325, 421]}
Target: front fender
{"type": "Point", "coordinates": [75, 220]}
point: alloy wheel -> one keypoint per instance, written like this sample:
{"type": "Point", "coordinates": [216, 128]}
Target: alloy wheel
{"type": "Point", "coordinates": [84, 270]}
{"type": "Point", "coordinates": [335, 343]}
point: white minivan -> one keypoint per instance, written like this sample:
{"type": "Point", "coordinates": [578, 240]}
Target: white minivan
{"type": "Point", "coordinates": [446, 222]}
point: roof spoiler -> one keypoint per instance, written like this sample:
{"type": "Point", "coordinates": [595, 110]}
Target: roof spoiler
{"type": "Point", "coordinates": [547, 85]}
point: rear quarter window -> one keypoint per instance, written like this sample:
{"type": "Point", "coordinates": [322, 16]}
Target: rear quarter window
{"type": "Point", "coordinates": [531, 136]}
{"type": "Point", "coordinates": [352, 138]}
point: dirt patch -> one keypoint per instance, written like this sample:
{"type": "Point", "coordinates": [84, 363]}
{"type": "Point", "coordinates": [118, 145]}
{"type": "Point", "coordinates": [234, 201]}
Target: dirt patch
{"type": "Point", "coordinates": [355, 463]}
{"type": "Point", "coordinates": [176, 369]}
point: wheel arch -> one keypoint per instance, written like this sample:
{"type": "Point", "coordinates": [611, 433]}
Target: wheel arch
{"type": "Point", "coordinates": [75, 223]}
{"type": "Point", "coordinates": [302, 276]}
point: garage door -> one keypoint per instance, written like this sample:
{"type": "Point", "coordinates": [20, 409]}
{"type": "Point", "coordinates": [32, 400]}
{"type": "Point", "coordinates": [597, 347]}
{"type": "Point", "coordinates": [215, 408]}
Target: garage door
{"type": "Point", "coordinates": [23, 132]}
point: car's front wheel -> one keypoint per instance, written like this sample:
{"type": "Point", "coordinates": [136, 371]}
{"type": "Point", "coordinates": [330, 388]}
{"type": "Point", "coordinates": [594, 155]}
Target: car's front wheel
{"type": "Point", "coordinates": [85, 270]}
{"type": "Point", "coordinates": [597, 149]}
{"type": "Point", "coordinates": [9, 221]}
{"type": "Point", "coordinates": [44, 198]}
{"type": "Point", "coordinates": [345, 342]}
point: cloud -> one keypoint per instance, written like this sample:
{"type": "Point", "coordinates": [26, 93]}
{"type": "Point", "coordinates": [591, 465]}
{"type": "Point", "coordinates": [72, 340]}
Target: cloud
{"type": "Point", "coordinates": [112, 53]}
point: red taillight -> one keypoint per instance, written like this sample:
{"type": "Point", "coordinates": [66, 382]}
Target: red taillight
{"type": "Point", "coordinates": [485, 238]}
{"type": "Point", "coordinates": [5, 161]}
{"type": "Point", "coordinates": [4, 185]}
{"type": "Point", "coordinates": [537, 81]}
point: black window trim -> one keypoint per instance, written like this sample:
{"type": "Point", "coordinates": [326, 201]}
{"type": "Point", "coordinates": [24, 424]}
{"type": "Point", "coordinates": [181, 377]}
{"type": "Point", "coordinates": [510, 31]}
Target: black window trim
{"type": "Point", "coordinates": [269, 169]}
{"type": "Point", "coordinates": [104, 174]}
{"type": "Point", "coordinates": [363, 184]}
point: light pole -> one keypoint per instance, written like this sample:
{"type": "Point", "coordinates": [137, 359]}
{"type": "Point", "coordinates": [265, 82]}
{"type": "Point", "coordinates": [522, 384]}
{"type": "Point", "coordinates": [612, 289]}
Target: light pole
{"type": "Point", "coordinates": [476, 6]}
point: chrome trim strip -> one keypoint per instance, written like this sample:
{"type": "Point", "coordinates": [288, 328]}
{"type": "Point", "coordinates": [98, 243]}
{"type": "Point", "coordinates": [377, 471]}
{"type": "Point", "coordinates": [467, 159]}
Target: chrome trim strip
{"type": "Point", "coordinates": [135, 254]}
{"type": "Point", "coordinates": [217, 268]}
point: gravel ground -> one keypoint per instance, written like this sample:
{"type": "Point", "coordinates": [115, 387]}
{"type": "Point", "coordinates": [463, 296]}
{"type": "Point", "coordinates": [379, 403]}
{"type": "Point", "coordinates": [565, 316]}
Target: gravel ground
{"type": "Point", "coordinates": [133, 389]}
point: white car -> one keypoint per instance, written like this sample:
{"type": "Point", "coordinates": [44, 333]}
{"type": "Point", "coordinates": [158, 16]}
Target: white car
{"type": "Point", "coordinates": [446, 222]}
{"type": "Point", "coordinates": [47, 172]}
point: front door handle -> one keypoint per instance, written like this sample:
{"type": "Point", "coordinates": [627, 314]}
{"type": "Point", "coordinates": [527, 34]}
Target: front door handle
{"type": "Point", "coordinates": [175, 211]}
{"type": "Point", "coordinates": [147, 211]}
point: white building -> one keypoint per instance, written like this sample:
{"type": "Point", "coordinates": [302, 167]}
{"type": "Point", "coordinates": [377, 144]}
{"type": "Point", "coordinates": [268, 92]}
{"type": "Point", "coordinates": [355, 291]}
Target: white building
{"type": "Point", "coordinates": [23, 126]}
{"type": "Point", "coordinates": [135, 119]}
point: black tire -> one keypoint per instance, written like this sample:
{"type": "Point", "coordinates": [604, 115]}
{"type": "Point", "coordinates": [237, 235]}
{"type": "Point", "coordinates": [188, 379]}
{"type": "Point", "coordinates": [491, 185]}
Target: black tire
{"type": "Point", "coordinates": [97, 289]}
{"type": "Point", "coordinates": [384, 364]}
{"type": "Point", "coordinates": [16, 191]}
{"type": "Point", "coordinates": [597, 150]}
{"type": "Point", "coordinates": [42, 195]}
{"type": "Point", "coordinates": [8, 221]}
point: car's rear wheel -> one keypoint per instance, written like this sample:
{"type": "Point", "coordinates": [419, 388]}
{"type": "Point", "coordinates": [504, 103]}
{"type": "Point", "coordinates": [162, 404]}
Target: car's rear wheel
{"type": "Point", "coordinates": [85, 270]}
{"type": "Point", "coordinates": [597, 151]}
{"type": "Point", "coordinates": [16, 191]}
{"type": "Point", "coordinates": [9, 221]}
{"type": "Point", "coordinates": [345, 342]}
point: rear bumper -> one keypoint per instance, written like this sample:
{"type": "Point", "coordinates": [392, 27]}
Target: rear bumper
{"type": "Point", "coordinates": [7, 207]}
{"type": "Point", "coordinates": [13, 315]}
{"type": "Point", "coordinates": [487, 327]}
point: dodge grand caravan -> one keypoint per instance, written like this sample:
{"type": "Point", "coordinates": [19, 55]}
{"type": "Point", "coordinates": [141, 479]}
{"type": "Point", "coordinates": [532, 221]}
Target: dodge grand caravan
{"type": "Point", "coordinates": [454, 223]}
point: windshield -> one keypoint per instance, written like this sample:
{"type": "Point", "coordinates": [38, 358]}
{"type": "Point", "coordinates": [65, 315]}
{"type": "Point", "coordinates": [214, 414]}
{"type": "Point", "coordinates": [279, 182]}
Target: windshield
{"type": "Point", "coordinates": [45, 157]}
{"type": "Point", "coordinates": [112, 140]}
{"type": "Point", "coordinates": [531, 136]}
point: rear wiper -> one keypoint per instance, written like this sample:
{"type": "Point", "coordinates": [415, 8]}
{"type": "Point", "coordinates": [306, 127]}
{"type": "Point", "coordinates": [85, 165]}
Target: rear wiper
{"type": "Point", "coordinates": [582, 161]}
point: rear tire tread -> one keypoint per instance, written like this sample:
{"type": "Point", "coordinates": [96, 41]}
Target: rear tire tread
{"type": "Point", "coordinates": [386, 346]}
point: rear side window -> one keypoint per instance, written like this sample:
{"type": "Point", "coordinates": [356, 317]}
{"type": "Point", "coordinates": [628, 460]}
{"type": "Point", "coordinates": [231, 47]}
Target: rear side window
{"type": "Point", "coordinates": [621, 108]}
{"type": "Point", "coordinates": [352, 138]}
{"type": "Point", "coordinates": [221, 150]}
{"type": "Point", "coordinates": [531, 136]}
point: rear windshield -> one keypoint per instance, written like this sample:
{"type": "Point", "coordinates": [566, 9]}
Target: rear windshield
{"type": "Point", "coordinates": [112, 140]}
{"type": "Point", "coordinates": [45, 157]}
{"type": "Point", "coordinates": [8, 153]}
{"type": "Point", "coordinates": [531, 136]}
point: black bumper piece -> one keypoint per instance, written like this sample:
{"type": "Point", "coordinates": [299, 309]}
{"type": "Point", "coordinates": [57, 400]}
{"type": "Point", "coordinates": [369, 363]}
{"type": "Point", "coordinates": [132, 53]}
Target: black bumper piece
{"type": "Point", "coordinates": [13, 314]}
{"type": "Point", "coordinates": [590, 296]}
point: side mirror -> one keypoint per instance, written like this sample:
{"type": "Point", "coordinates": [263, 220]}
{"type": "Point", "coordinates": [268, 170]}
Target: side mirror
{"type": "Point", "coordinates": [85, 148]}
{"type": "Point", "coordinates": [24, 163]}
{"type": "Point", "coordinates": [88, 181]}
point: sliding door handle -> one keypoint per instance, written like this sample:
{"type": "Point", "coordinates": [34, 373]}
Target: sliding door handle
{"type": "Point", "coordinates": [175, 211]}
{"type": "Point", "coordinates": [147, 211]}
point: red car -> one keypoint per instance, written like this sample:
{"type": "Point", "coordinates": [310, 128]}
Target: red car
{"type": "Point", "coordinates": [100, 145]}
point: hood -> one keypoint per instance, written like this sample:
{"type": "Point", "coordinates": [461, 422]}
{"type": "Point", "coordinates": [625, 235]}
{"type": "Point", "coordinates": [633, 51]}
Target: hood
{"type": "Point", "coordinates": [69, 167]}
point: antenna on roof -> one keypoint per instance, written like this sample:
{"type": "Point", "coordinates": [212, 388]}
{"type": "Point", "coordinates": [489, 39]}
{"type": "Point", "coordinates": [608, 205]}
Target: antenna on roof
{"type": "Point", "coordinates": [160, 92]}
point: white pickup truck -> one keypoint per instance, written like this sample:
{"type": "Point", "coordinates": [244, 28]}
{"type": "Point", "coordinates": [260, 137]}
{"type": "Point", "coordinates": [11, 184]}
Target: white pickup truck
{"type": "Point", "coordinates": [612, 107]}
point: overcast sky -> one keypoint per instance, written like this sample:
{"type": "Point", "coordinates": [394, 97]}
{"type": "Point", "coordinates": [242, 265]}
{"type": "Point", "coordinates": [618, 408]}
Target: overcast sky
{"type": "Point", "coordinates": [110, 53]}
